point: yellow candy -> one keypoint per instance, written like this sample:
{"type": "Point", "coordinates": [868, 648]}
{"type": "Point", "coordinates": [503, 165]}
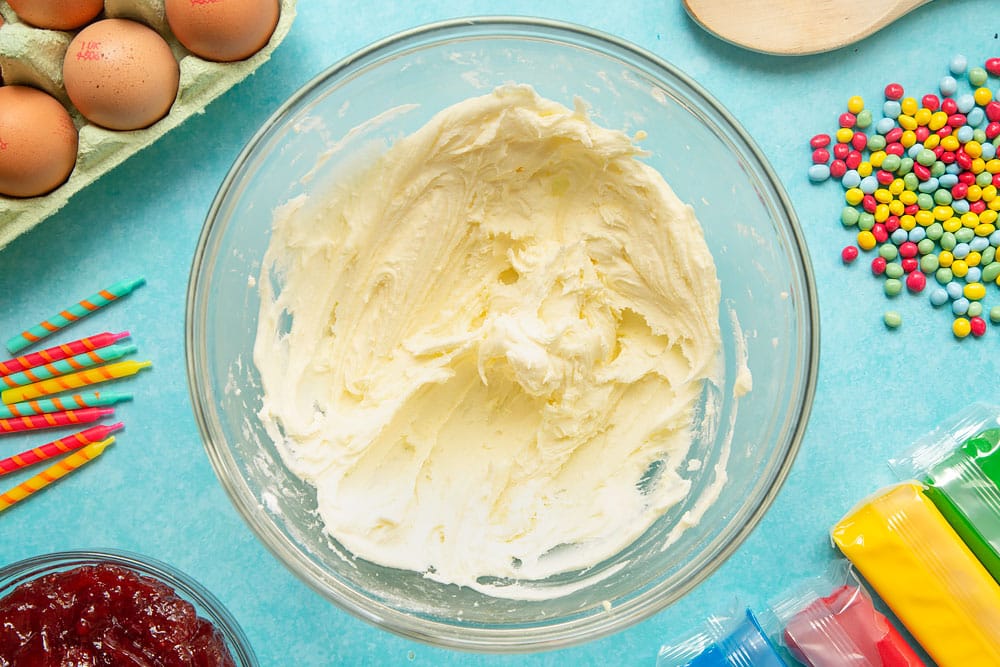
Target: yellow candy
{"type": "Point", "coordinates": [952, 225]}
{"type": "Point", "coordinates": [978, 165]}
{"type": "Point", "coordinates": [883, 196]}
{"type": "Point", "coordinates": [973, 258]}
{"type": "Point", "coordinates": [993, 166]}
{"type": "Point", "coordinates": [866, 240]}
{"type": "Point", "coordinates": [975, 193]}
{"type": "Point", "coordinates": [989, 193]}
{"type": "Point", "coordinates": [855, 104]}
{"type": "Point", "coordinates": [988, 217]}
{"type": "Point", "coordinates": [908, 197]}
{"type": "Point", "coordinates": [932, 141]}
{"type": "Point", "coordinates": [908, 138]}
{"type": "Point", "coordinates": [907, 122]}
{"type": "Point", "coordinates": [909, 106]}
{"type": "Point", "coordinates": [974, 291]}
{"type": "Point", "coordinates": [907, 222]}
{"type": "Point", "coordinates": [923, 117]}
{"type": "Point", "coordinates": [844, 135]}
{"type": "Point", "coordinates": [961, 327]}
{"type": "Point", "coordinates": [877, 158]}
{"type": "Point", "coordinates": [986, 229]}
{"type": "Point", "coordinates": [938, 120]}
{"type": "Point", "coordinates": [916, 563]}
{"type": "Point", "coordinates": [924, 218]}
{"type": "Point", "coordinates": [896, 207]}
{"type": "Point", "coordinates": [995, 204]}
{"type": "Point", "coordinates": [881, 213]}
{"type": "Point", "coordinates": [853, 196]}
{"type": "Point", "coordinates": [950, 143]}
{"type": "Point", "coordinates": [959, 268]}
{"type": "Point", "coordinates": [973, 148]}
{"type": "Point", "coordinates": [865, 169]}
{"type": "Point", "coordinates": [983, 96]}
{"type": "Point", "coordinates": [945, 258]}
{"type": "Point", "coordinates": [970, 220]}
{"type": "Point", "coordinates": [942, 213]}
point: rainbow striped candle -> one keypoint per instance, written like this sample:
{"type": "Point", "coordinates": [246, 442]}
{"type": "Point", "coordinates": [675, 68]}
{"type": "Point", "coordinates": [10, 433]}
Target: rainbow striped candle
{"type": "Point", "coordinates": [53, 420]}
{"type": "Point", "coordinates": [58, 352]}
{"type": "Point", "coordinates": [57, 470]}
{"type": "Point", "coordinates": [57, 447]}
{"type": "Point", "coordinates": [72, 314]}
{"type": "Point", "coordinates": [63, 366]}
{"type": "Point", "coordinates": [93, 399]}
{"type": "Point", "coordinates": [73, 381]}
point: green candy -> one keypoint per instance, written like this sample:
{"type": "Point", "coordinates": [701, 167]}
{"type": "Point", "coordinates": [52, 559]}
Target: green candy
{"type": "Point", "coordinates": [988, 255]}
{"type": "Point", "coordinates": [926, 157]}
{"type": "Point", "coordinates": [892, 319]}
{"type": "Point", "coordinates": [977, 77]}
{"type": "Point", "coordinates": [948, 241]}
{"type": "Point", "coordinates": [891, 162]}
{"type": "Point", "coordinates": [991, 271]}
{"type": "Point", "coordinates": [906, 166]}
{"type": "Point", "coordinates": [926, 247]}
{"type": "Point", "coordinates": [894, 270]}
{"type": "Point", "coordinates": [942, 196]}
{"type": "Point", "coordinates": [984, 178]}
{"type": "Point", "coordinates": [888, 251]}
{"type": "Point", "coordinates": [863, 120]}
{"type": "Point", "coordinates": [943, 276]}
{"type": "Point", "coordinates": [995, 314]}
{"type": "Point", "coordinates": [964, 235]}
{"type": "Point", "coordinates": [938, 169]}
{"type": "Point", "coordinates": [910, 180]}
{"type": "Point", "coordinates": [866, 221]}
{"type": "Point", "coordinates": [979, 135]}
{"type": "Point", "coordinates": [934, 231]}
{"type": "Point", "coordinates": [876, 142]}
{"type": "Point", "coordinates": [893, 286]}
{"type": "Point", "coordinates": [975, 309]}
{"type": "Point", "coordinates": [929, 264]}
{"type": "Point", "coordinates": [925, 201]}
{"type": "Point", "coordinates": [849, 216]}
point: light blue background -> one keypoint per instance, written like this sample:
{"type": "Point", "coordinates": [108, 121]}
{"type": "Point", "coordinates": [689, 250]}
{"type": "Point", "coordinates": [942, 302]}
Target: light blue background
{"type": "Point", "coordinates": [155, 493]}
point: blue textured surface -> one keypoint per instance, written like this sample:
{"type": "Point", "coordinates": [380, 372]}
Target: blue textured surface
{"type": "Point", "coordinates": [155, 492]}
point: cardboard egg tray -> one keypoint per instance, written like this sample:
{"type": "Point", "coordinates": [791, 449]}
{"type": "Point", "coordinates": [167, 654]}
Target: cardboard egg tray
{"type": "Point", "coordinates": [34, 57]}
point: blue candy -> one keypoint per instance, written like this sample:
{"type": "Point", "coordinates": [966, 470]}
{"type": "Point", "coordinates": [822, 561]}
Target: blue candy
{"type": "Point", "coordinates": [964, 134]}
{"type": "Point", "coordinates": [954, 290]}
{"type": "Point", "coordinates": [948, 180]}
{"type": "Point", "coordinates": [885, 125]}
{"type": "Point", "coordinates": [975, 116]}
{"type": "Point", "coordinates": [979, 244]}
{"type": "Point", "coordinates": [948, 86]}
{"type": "Point", "coordinates": [961, 250]}
{"type": "Point", "coordinates": [851, 179]}
{"type": "Point", "coordinates": [891, 109]}
{"type": "Point", "coordinates": [960, 306]}
{"type": "Point", "coordinates": [965, 103]}
{"type": "Point", "coordinates": [899, 236]}
{"type": "Point", "coordinates": [868, 185]}
{"type": "Point", "coordinates": [819, 173]}
{"type": "Point", "coordinates": [960, 206]}
{"type": "Point", "coordinates": [917, 234]}
{"type": "Point", "coordinates": [958, 64]}
{"type": "Point", "coordinates": [974, 275]}
{"type": "Point", "coordinates": [939, 296]}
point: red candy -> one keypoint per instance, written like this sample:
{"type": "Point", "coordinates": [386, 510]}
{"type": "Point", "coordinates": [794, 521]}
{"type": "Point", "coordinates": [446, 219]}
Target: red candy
{"type": "Point", "coordinates": [996, 181]}
{"type": "Point", "coordinates": [993, 66]}
{"type": "Point", "coordinates": [878, 266]}
{"type": "Point", "coordinates": [992, 130]}
{"type": "Point", "coordinates": [840, 151]}
{"type": "Point", "coordinates": [853, 159]}
{"type": "Point", "coordinates": [957, 119]}
{"type": "Point", "coordinates": [931, 102]}
{"type": "Point", "coordinates": [916, 281]}
{"type": "Point", "coordinates": [859, 141]}
{"type": "Point", "coordinates": [911, 209]}
{"type": "Point", "coordinates": [820, 141]}
{"type": "Point", "coordinates": [893, 135]}
{"type": "Point", "coordinates": [909, 264]}
{"type": "Point", "coordinates": [847, 119]}
{"type": "Point", "coordinates": [879, 232]}
{"type": "Point", "coordinates": [893, 91]}
{"type": "Point", "coordinates": [884, 177]}
{"type": "Point", "coordinates": [947, 157]}
{"type": "Point", "coordinates": [821, 156]}
{"type": "Point", "coordinates": [838, 168]}
{"type": "Point", "coordinates": [849, 254]}
{"type": "Point", "coordinates": [869, 204]}
{"type": "Point", "coordinates": [896, 149]}
{"type": "Point", "coordinates": [959, 190]}
{"type": "Point", "coordinates": [977, 325]}
{"type": "Point", "coordinates": [962, 159]}
{"type": "Point", "coordinates": [908, 249]}
{"type": "Point", "coordinates": [944, 131]}
{"type": "Point", "coordinates": [977, 207]}
{"type": "Point", "coordinates": [992, 110]}
{"type": "Point", "coordinates": [921, 172]}
{"type": "Point", "coordinates": [967, 177]}
{"type": "Point", "coordinates": [892, 223]}
{"type": "Point", "coordinates": [922, 132]}
{"type": "Point", "coordinates": [949, 106]}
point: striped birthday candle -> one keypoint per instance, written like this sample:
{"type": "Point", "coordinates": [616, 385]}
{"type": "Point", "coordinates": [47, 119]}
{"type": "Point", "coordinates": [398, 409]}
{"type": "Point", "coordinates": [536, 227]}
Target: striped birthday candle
{"type": "Point", "coordinates": [66, 317]}
{"type": "Point", "coordinates": [64, 351]}
{"type": "Point", "coordinates": [54, 472]}
{"type": "Point", "coordinates": [70, 365]}
{"type": "Point", "coordinates": [53, 420]}
{"type": "Point", "coordinates": [92, 399]}
{"type": "Point", "coordinates": [72, 381]}
{"type": "Point", "coordinates": [56, 447]}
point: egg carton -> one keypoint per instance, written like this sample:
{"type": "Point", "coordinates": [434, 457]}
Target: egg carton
{"type": "Point", "coordinates": [32, 56]}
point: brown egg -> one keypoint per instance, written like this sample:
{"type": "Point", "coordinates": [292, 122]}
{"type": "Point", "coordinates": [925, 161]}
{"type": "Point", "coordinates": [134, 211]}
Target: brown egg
{"type": "Point", "coordinates": [38, 142]}
{"type": "Point", "coordinates": [120, 74]}
{"type": "Point", "coordinates": [57, 14]}
{"type": "Point", "coordinates": [223, 30]}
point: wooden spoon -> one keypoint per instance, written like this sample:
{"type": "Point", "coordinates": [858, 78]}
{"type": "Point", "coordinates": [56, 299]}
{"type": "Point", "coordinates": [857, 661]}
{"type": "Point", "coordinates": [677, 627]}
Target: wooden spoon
{"type": "Point", "coordinates": [796, 27]}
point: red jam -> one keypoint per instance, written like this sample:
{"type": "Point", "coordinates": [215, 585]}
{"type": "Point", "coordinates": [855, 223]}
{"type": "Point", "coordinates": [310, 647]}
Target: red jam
{"type": "Point", "coordinates": [105, 615]}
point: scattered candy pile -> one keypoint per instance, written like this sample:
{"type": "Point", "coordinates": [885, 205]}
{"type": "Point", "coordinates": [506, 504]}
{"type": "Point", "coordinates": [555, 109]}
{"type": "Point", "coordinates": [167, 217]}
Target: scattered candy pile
{"type": "Point", "coordinates": [921, 190]}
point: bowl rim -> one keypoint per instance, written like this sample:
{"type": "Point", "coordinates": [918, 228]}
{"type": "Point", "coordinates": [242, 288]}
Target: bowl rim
{"type": "Point", "coordinates": [647, 602]}
{"type": "Point", "coordinates": [187, 587]}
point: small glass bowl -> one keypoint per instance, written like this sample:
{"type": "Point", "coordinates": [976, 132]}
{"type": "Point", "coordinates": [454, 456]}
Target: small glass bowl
{"type": "Point", "coordinates": [207, 605]}
{"type": "Point", "coordinates": [768, 314]}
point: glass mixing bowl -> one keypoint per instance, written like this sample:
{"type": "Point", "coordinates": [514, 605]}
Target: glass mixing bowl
{"type": "Point", "coordinates": [768, 314]}
{"type": "Point", "coordinates": [206, 605]}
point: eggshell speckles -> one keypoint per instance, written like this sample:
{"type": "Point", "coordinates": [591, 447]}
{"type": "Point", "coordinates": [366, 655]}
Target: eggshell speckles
{"type": "Point", "coordinates": [38, 142]}
{"type": "Point", "coordinates": [57, 14]}
{"type": "Point", "coordinates": [120, 74]}
{"type": "Point", "coordinates": [223, 30]}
